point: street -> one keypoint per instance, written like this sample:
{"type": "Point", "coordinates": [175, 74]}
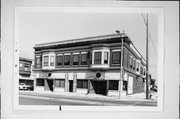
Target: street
{"type": "Point", "coordinates": [31, 99]}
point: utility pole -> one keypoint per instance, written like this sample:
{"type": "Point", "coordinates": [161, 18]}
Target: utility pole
{"type": "Point", "coordinates": [147, 61]}
{"type": "Point", "coordinates": [121, 69]}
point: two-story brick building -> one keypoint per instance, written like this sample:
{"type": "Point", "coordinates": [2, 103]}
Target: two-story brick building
{"type": "Point", "coordinates": [89, 65]}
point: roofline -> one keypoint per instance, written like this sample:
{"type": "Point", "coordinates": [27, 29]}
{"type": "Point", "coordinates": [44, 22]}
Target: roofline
{"type": "Point", "coordinates": [81, 40]}
{"type": "Point", "coordinates": [139, 53]}
{"type": "Point", "coordinates": [23, 58]}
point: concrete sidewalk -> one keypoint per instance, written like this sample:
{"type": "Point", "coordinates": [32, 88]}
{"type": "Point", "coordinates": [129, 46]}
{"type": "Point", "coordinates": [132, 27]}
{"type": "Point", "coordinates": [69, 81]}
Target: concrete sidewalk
{"type": "Point", "coordinates": [133, 97]}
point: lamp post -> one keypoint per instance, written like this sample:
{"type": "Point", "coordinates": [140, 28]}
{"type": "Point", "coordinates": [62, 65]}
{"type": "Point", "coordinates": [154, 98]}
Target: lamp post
{"type": "Point", "coordinates": [121, 69]}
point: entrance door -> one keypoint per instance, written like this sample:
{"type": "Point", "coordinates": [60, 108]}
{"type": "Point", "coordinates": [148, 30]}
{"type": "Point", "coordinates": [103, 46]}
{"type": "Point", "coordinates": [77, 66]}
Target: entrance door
{"type": "Point", "coordinates": [130, 85]}
{"type": "Point", "coordinates": [49, 84]}
{"type": "Point", "coordinates": [100, 87]}
{"type": "Point", "coordinates": [70, 85]}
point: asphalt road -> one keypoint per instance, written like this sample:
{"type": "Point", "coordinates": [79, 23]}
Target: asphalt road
{"type": "Point", "coordinates": [66, 100]}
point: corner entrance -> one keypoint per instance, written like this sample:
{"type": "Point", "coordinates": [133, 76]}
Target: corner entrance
{"type": "Point", "coordinates": [49, 84]}
{"type": "Point", "coordinates": [98, 87]}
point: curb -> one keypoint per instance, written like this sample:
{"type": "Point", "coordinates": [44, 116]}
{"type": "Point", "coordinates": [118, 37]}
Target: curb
{"type": "Point", "coordinates": [89, 96]}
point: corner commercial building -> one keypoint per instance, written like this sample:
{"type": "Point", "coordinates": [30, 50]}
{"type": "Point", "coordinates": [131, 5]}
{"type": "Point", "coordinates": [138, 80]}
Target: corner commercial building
{"type": "Point", "coordinates": [89, 65]}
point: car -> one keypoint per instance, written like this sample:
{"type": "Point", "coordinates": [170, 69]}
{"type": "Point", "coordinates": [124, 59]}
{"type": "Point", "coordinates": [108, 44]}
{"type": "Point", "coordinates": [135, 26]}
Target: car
{"type": "Point", "coordinates": [23, 86]}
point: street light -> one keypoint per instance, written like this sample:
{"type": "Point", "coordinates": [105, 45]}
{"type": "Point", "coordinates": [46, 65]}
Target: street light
{"type": "Point", "coordinates": [121, 69]}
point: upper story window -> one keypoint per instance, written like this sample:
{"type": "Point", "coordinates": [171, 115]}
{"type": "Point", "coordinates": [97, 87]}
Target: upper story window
{"type": "Point", "coordinates": [84, 57]}
{"type": "Point", "coordinates": [137, 66]}
{"type": "Point", "coordinates": [141, 70]}
{"type": "Point", "coordinates": [131, 62]}
{"type": "Point", "coordinates": [116, 57]}
{"type": "Point", "coordinates": [59, 60]}
{"type": "Point", "coordinates": [76, 59]}
{"type": "Point", "coordinates": [67, 59]}
{"type": "Point", "coordinates": [105, 57]}
{"type": "Point", "coordinates": [46, 60]}
{"type": "Point", "coordinates": [26, 67]}
{"type": "Point", "coordinates": [144, 72]}
{"type": "Point", "coordinates": [134, 64]}
{"type": "Point", "coordinates": [97, 57]}
{"type": "Point", "coordinates": [37, 61]}
{"type": "Point", "coordinates": [20, 65]}
{"type": "Point", "coordinates": [52, 61]}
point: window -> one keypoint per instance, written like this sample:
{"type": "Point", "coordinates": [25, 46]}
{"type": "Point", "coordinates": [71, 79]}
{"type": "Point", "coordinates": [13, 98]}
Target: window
{"type": "Point", "coordinates": [97, 58]}
{"type": "Point", "coordinates": [83, 59]}
{"type": "Point", "coordinates": [38, 62]}
{"type": "Point", "coordinates": [46, 60]}
{"type": "Point", "coordinates": [124, 85]}
{"type": "Point", "coordinates": [116, 57]}
{"type": "Point", "coordinates": [144, 71]}
{"type": "Point", "coordinates": [141, 70]}
{"type": "Point", "coordinates": [76, 59]}
{"type": "Point", "coordinates": [67, 60]}
{"type": "Point", "coordinates": [59, 59]}
{"type": "Point", "coordinates": [52, 61]}
{"type": "Point", "coordinates": [137, 66]}
{"type": "Point", "coordinates": [133, 64]}
{"type": "Point", "coordinates": [40, 82]}
{"type": "Point", "coordinates": [82, 84]}
{"type": "Point", "coordinates": [60, 83]}
{"type": "Point", "coordinates": [130, 62]}
{"type": "Point", "coordinates": [20, 65]}
{"type": "Point", "coordinates": [105, 57]}
{"type": "Point", "coordinates": [26, 67]}
{"type": "Point", "coordinates": [113, 85]}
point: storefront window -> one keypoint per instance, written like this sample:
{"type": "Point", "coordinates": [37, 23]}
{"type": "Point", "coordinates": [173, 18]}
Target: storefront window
{"type": "Point", "coordinates": [82, 84]}
{"type": "Point", "coordinates": [113, 85]}
{"type": "Point", "coordinates": [60, 83]}
{"type": "Point", "coordinates": [40, 82]}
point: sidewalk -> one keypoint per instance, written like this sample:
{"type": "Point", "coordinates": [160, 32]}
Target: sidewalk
{"type": "Point", "coordinates": [133, 97]}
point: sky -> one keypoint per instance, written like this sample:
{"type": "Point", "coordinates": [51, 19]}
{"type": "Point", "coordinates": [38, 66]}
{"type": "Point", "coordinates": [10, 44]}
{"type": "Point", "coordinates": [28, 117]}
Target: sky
{"type": "Point", "coordinates": [43, 27]}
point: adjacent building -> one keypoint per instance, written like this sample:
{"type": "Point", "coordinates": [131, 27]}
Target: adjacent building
{"type": "Point", "coordinates": [25, 72]}
{"type": "Point", "coordinates": [89, 65]}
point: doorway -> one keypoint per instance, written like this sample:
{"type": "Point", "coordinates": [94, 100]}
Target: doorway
{"type": "Point", "coordinates": [99, 87]}
{"type": "Point", "coordinates": [49, 84]}
{"type": "Point", "coordinates": [70, 85]}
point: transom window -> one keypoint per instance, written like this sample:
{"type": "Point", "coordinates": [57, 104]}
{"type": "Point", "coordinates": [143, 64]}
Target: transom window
{"type": "Point", "coordinates": [97, 58]}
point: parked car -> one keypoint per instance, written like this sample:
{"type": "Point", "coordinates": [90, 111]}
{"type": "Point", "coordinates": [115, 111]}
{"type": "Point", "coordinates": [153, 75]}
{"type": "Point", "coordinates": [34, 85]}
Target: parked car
{"type": "Point", "coordinates": [23, 86]}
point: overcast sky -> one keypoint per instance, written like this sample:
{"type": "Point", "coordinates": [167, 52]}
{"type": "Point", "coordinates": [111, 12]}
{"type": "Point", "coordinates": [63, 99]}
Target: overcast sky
{"type": "Point", "coordinates": [42, 27]}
